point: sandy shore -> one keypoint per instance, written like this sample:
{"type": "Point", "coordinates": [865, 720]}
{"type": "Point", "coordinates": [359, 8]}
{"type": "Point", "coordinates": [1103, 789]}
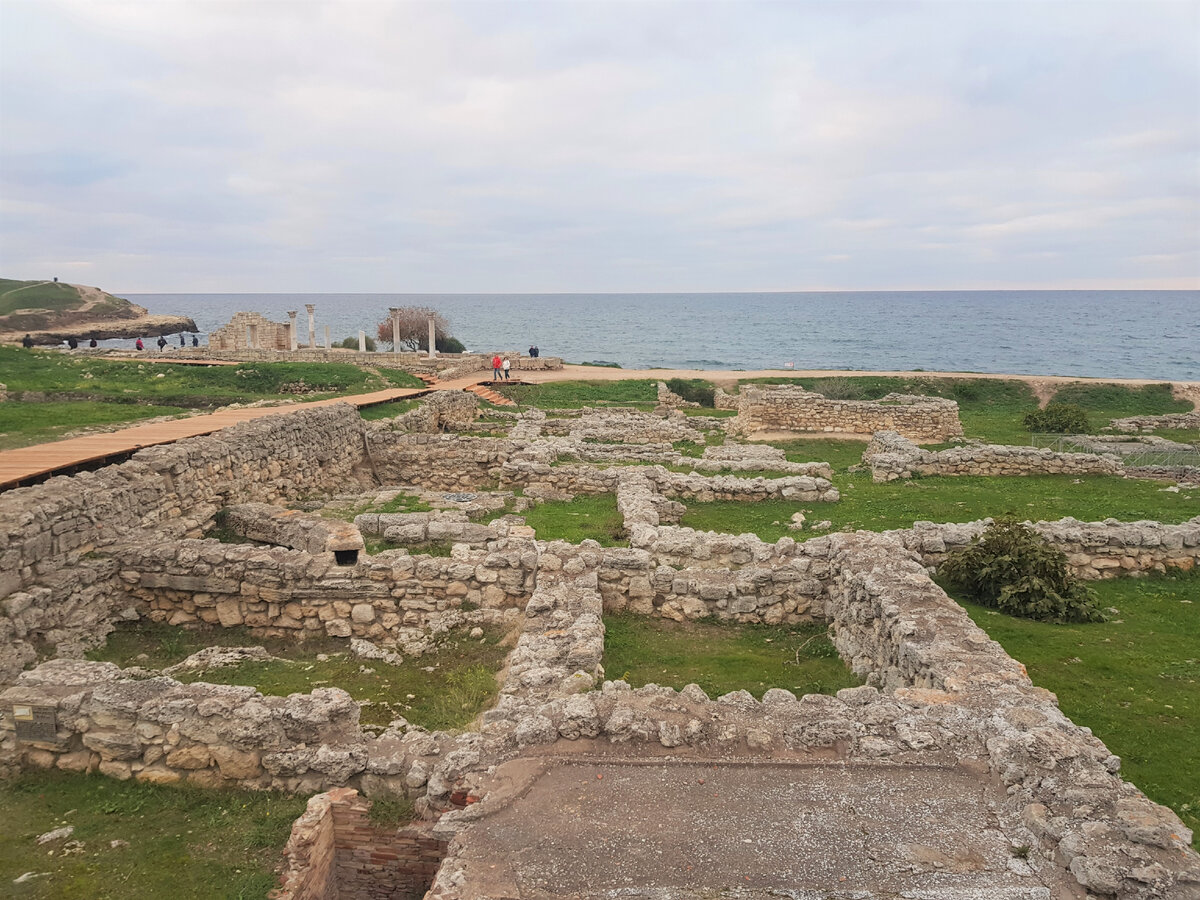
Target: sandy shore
{"type": "Point", "coordinates": [1043, 386]}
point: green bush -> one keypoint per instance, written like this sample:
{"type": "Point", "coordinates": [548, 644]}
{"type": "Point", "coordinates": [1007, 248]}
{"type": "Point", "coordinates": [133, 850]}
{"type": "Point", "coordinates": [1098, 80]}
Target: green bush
{"type": "Point", "coordinates": [1012, 568]}
{"type": "Point", "coordinates": [351, 343]}
{"type": "Point", "coordinates": [1059, 418]}
{"type": "Point", "coordinates": [693, 390]}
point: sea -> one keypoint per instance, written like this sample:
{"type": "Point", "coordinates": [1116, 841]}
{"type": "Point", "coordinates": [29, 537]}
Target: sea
{"type": "Point", "coordinates": [1116, 334]}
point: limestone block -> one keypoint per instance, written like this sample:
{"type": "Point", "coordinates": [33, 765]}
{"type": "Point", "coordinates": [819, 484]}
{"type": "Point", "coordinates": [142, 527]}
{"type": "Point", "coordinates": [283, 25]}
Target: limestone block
{"type": "Point", "coordinates": [229, 613]}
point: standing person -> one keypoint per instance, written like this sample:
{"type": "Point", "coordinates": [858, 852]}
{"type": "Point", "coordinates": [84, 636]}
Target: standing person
{"type": "Point", "coordinates": [496, 367]}
{"type": "Point", "coordinates": [27, 342]}
{"type": "Point", "coordinates": [72, 343]}
{"type": "Point", "coordinates": [195, 341]}
{"type": "Point", "coordinates": [531, 353]}
{"type": "Point", "coordinates": [92, 343]}
{"type": "Point", "coordinates": [181, 343]}
{"type": "Point", "coordinates": [138, 345]}
{"type": "Point", "coordinates": [507, 364]}
{"type": "Point", "coordinates": [536, 351]}
{"type": "Point", "coordinates": [162, 343]}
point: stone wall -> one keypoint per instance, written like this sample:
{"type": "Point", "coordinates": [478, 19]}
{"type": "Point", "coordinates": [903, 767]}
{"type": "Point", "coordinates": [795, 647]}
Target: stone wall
{"type": "Point", "coordinates": [445, 462]}
{"type": "Point", "coordinates": [335, 852]}
{"type": "Point", "coordinates": [791, 408]}
{"type": "Point", "coordinates": [252, 331]}
{"type": "Point", "coordinates": [891, 456]}
{"type": "Point", "coordinates": [275, 592]}
{"type": "Point", "coordinates": [1153, 423]}
{"type": "Point", "coordinates": [292, 529]}
{"type": "Point", "coordinates": [438, 526]}
{"type": "Point", "coordinates": [1094, 549]}
{"type": "Point", "coordinates": [439, 411]}
{"type": "Point", "coordinates": [53, 588]}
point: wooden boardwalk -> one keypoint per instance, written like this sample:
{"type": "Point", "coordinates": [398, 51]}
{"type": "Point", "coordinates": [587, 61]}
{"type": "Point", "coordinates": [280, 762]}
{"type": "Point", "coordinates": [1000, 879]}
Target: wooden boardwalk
{"type": "Point", "coordinates": [27, 465]}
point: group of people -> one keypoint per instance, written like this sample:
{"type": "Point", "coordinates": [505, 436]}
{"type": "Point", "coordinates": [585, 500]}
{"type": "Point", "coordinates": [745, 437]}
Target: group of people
{"type": "Point", "coordinates": [72, 343]}
{"type": "Point", "coordinates": [162, 342]}
{"type": "Point", "coordinates": [501, 365]}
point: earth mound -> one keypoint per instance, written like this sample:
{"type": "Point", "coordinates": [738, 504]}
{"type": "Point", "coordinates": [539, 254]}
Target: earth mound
{"type": "Point", "coordinates": [52, 311]}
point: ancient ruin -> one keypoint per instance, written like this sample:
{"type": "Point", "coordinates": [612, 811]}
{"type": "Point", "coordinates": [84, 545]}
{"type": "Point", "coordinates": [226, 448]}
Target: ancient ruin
{"type": "Point", "coordinates": [946, 774]}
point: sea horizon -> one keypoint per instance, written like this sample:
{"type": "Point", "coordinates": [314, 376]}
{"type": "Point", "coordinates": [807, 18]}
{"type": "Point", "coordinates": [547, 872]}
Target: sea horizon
{"type": "Point", "coordinates": [1087, 333]}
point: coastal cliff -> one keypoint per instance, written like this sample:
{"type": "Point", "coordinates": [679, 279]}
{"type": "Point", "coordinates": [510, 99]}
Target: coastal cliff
{"type": "Point", "coordinates": [52, 311]}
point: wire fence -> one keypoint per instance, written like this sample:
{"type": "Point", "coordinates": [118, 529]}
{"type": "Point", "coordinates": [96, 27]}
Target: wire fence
{"type": "Point", "coordinates": [1085, 443]}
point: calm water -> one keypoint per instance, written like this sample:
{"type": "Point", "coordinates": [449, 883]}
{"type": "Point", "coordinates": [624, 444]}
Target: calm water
{"type": "Point", "coordinates": [1132, 334]}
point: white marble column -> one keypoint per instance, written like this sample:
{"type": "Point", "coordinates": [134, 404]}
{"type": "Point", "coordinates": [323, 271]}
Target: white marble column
{"type": "Point", "coordinates": [432, 339]}
{"type": "Point", "coordinates": [327, 344]}
{"type": "Point", "coordinates": [362, 342]}
{"type": "Point", "coordinates": [312, 326]}
{"type": "Point", "coordinates": [292, 330]}
{"type": "Point", "coordinates": [395, 314]}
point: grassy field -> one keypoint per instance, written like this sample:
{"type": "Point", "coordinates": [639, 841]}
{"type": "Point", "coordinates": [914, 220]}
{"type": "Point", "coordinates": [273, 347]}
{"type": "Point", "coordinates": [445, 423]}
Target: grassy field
{"type": "Point", "coordinates": [23, 424]}
{"type": "Point", "coordinates": [577, 394]}
{"type": "Point", "coordinates": [81, 391]}
{"type": "Point", "coordinates": [1134, 680]}
{"type": "Point", "coordinates": [388, 410]}
{"type": "Point", "coordinates": [183, 843]}
{"type": "Point", "coordinates": [880, 507]}
{"type": "Point", "coordinates": [585, 517]}
{"type": "Point", "coordinates": [462, 682]}
{"type": "Point", "coordinates": [723, 658]}
{"type": "Point", "coordinates": [51, 295]}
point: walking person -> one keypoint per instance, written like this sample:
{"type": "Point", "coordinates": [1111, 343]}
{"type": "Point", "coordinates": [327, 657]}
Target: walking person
{"type": "Point", "coordinates": [181, 342]}
{"type": "Point", "coordinates": [507, 364]}
{"type": "Point", "coordinates": [496, 367]}
{"type": "Point", "coordinates": [162, 343]}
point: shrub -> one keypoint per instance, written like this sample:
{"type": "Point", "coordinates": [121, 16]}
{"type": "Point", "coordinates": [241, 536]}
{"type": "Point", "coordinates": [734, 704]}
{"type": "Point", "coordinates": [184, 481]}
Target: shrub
{"type": "Point", "coordinates": [1012, 568]}
{"type": "Point", "coordinates": [693, 390]}
{"type": "Point", "coordinates": [1060, 418]}
{"type": "Point", "coordinates": [839, 388]}
{"type": "Point", "coordinates": [351, 343]}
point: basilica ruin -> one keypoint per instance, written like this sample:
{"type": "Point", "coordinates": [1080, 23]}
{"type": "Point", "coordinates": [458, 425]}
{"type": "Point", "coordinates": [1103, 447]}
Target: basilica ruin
{"type": "Point", "coordinates": [946, 774]}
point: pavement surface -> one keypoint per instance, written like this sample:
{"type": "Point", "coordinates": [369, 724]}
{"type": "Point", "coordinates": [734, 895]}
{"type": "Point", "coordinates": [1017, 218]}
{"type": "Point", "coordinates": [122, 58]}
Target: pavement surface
{"type": "Point", "coordinates": [681, 830]}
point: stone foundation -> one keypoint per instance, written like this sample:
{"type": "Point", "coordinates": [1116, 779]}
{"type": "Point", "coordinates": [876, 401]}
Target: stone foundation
{"type": "Point", "coordinates": [791, 408]}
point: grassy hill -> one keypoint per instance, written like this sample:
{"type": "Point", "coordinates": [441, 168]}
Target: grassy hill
{"type": "Point", "coordinates": [41, 305]}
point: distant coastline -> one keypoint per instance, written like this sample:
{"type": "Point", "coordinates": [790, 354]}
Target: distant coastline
{"type": "Point", "coordinates": [1098, 334]}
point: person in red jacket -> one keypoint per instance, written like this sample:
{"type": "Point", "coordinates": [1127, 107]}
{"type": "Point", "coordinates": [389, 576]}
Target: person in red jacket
{"type": "Point", "coordinates": [496, 364]}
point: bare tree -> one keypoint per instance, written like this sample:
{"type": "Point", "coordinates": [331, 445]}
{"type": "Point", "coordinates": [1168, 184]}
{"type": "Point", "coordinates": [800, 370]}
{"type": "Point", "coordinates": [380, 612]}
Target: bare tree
{"type": "Point", "coordinates": [414, 327]}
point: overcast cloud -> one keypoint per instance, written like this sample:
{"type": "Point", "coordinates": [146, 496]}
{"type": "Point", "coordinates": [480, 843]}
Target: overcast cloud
{"type": "Point", "coordinates": [608, 146]}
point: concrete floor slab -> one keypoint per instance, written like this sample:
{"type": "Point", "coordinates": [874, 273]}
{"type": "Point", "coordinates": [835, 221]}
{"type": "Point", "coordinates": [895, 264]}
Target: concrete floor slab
{"type": "Point", "coordinates": [683, 830]}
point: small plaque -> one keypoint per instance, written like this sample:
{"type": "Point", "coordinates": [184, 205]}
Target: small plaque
{"type": "Point", "coordinates": [35, 723]}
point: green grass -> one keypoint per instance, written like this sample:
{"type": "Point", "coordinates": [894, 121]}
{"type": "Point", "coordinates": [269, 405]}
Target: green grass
{"type": "Point", "coordinates": [56, 296]}
{"type": "Point", "coordinates": [839, 454]}
{"type": "Point", "coordinates": [723, 658]}
{"type": "Point", "coordinates": [587, 516]}
{"type": "Point", "coordinates": [577, 394]}
{"type": "Point", "coordinates": [462, 684]}
{"type": "Point", "coordinates": [388, 410]}
{"type": "Point", "coordinates": [1134, 680]}
{"type": "Point", "coordinates": [23, 424]}
{"type": "Point", "coordinates": [183, 843]}
{"type": "Point", "coordinates": [1105, 402]}
{"type": "Point", "coordinates": [137, 380]}
{"type": "Point", "coordinates": [1182, 435]}
{"type": "Point", "coordinates": [880, 507]}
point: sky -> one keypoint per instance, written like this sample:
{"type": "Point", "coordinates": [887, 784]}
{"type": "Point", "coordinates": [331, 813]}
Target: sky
{"type": "Point", "coordinates": [577, 146]}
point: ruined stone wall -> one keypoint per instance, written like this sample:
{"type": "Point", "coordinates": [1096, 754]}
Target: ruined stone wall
{"type": "Point", "coordinates": [1153, 423]}
{"type": "Point", "coordinates": [165, 732]}
{"type": "Point", "coordinates": [891, 456]}
{"type": "Point", "coordinates": [438, 526]}
{"type": "Point", "coordinates": [438, 461]}
{"type": "Point", "coordinates": [439, 411]}
{"type": "Point", "coordinates": [791, 408]}
{"type": "Point", "coordinates": [267, 335]}
{"type": "Point", "coordinates": [52, 590]}
{"type": "Point", "coordinates": [1094, 550]}
{"type": "Point", "coordinates": [274, 591]}
{"type": "Point", "coordinates": [290, 528]}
